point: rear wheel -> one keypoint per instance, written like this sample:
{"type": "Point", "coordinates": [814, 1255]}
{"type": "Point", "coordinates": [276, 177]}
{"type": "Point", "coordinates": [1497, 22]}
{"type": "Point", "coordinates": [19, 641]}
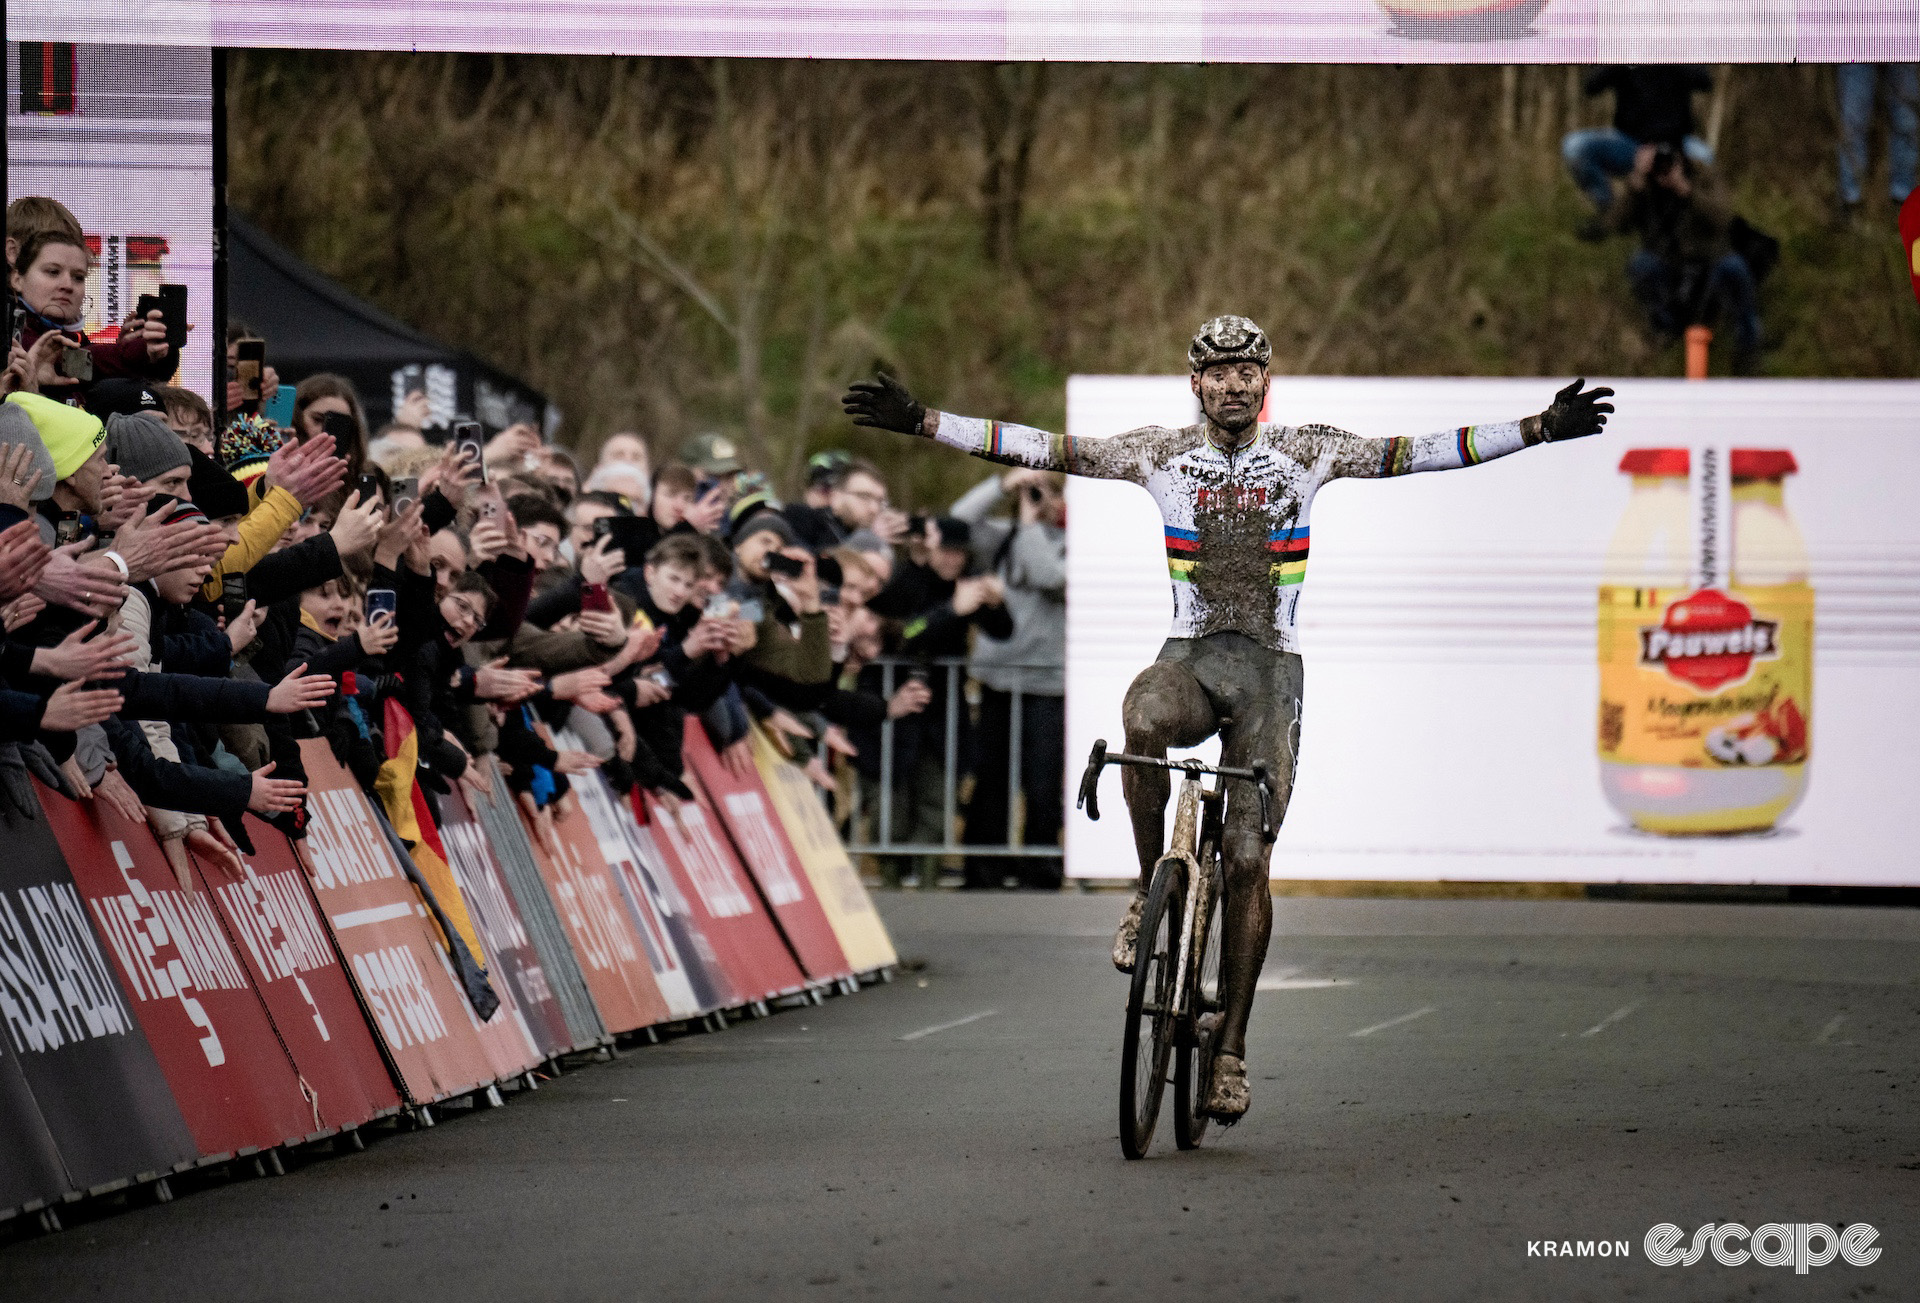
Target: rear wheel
{"type": "Point", "coordinates": [1146, 1047]}
{"type": "Point", "coordinates": [1193, 1059]}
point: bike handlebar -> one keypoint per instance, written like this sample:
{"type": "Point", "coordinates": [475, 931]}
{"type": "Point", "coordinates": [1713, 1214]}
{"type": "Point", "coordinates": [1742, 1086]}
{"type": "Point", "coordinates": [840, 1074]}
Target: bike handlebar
{"type": "Point", "coordinates": [1098, 759]}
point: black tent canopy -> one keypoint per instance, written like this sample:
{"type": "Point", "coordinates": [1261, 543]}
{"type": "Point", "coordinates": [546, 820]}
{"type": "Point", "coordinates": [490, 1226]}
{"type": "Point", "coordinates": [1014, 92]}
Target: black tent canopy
{"type": "Point", "coordinates": [313, 325]}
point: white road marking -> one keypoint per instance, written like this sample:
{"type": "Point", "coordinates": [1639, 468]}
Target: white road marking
{"type": "Point", "coordinates": [1300, 983]}
{"type": "Point", "coordinates": [1611, 1019]}
{"type": "Point", "coordinates": [1831, 1030]}
{"type": "Point", "coordinates": [949, 1026]}
{"type": "Point", "coordinates": [1395, 1022]}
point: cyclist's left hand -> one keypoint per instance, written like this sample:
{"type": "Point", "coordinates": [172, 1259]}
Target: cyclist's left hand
{"type": "Point", "coordinates": [1575, 414]}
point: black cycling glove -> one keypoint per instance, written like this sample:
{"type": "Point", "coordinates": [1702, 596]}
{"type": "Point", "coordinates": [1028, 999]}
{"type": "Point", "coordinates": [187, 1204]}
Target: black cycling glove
{"type": "Point", "coordinates": [1575, 414]}
{"type": "Point", "coordinates": [884, 404]}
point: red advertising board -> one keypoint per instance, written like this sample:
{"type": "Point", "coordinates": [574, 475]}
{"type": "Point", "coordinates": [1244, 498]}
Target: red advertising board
{"type": "Point", "coordinates": [513, 964]}
{"type": "Point", "coordinates": [270, 916]}
{"type": "Point", "coordinates": [232, 1081]}
{"type": "Point", "coordinates": [727, 906]}
{"type": "Point", "coordinates": [391, 944]}
{"type": "Point", "coordinates": [591, 908]}
{"type": "Point", "coordinates": [761, 843]}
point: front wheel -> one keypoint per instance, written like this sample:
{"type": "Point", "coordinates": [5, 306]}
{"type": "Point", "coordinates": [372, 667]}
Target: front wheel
{"type": "Point", "coordinates": [1147, 1043]}
{"type": "Point", "coordinates": [1193, 1060]}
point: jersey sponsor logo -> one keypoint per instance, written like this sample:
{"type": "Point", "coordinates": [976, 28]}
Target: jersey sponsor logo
{"type": "Point", "coordinates": [1230, 497]}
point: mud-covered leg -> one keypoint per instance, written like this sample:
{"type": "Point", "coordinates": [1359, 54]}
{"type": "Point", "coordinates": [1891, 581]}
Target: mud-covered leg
{"type": "Point", "coordinates": [1267, 735]}
{"type": "Point", "coordinates": [1165, 707]}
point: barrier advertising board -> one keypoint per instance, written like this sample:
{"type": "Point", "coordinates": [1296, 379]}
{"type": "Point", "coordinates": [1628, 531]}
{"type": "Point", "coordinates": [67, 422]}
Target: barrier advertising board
{"type": "Point", "coordinates": [836, 883]}
{"type": "Point", "coordinates": [684, 963]}
{"type": "Point", "coordinates": [97, 1085]}
{"type": "Point", "coordinates": [507, 836]}
{"type": "Point", "coordinates": [694, 845]}
{"type": "Point", "coordinates": [594, 913]}
{"type": "Point", "coordinates": [761, 845]}
{"type": "Point", "coordinates": [516, 966]}
{"type": "Point", "coordinates": [271, 917]}
{"type": "Point", "coordinates": [391, 945]}
{"type": "Point", "coordinates": [230, 1078]}
{"type": "Point", "coordinates": [1682, 651]}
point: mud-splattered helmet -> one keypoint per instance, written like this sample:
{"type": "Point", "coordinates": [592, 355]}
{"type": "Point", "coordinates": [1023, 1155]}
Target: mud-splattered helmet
{"type": "Point", "coordinates": [1228, 339]}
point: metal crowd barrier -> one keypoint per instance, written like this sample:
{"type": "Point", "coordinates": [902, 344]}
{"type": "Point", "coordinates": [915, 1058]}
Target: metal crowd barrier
{"type": "Point", "coordinates": [953, 673]}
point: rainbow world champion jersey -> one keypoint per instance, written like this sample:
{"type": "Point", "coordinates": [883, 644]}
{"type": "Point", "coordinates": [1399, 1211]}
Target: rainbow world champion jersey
{"type": "Point", "coordinates": [1236, 521]}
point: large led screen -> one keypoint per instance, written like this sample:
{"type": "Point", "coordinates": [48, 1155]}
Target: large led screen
{"type": "Point", "coordinates": [123, 136]}
{"type": "Point", "coordinates": [1166, 31]}
{"type": "Point", "coordinates": [1687, 650]}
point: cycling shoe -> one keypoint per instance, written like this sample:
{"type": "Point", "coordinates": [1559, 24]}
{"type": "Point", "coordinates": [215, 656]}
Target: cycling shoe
{"type": "Point", "coordinates": [1227, 1094]}
{"type": "Point", "coordinates": [1126, 942]}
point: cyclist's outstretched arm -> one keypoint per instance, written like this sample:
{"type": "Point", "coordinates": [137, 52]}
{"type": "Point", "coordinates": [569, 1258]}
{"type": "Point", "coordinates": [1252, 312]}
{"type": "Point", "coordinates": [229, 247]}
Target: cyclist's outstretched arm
{"type": "Point", "coordinates": [885, 404]}
{"type": "Point", "coordinates": [1575, 414]}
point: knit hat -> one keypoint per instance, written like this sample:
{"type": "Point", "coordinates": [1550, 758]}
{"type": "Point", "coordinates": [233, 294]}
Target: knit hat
{"type": "Point", "coordinates": [954, 532]}
{"type": "Point", "coordinates": [214, 490]}
{"type": "Point", "coordinates": [124, 395]}
{"type": "Point", "coordinates": [183, 511]}
{"type": "Point", "coordinates": [769, 520]}
{"type": "Point", "coordinates": [245, 445]}
{"type": "Point", "coordinates": [71, 435]}
{"type": "Point", "coordinates": [17, 427]}
{"type": "Point", "coordinates": [865, 540]}
{"type": "Point", "coordinates": [142, 446]}
{"type": "Point", "coordinates": [748, 507]}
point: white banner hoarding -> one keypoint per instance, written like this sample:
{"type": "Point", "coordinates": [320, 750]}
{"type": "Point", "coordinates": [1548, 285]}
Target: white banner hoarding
{"type": "Point", "coordinates": [1151, 31]}
{"type": "Point", "coordinates": [123, 136]}
{"type": "Point", "coordinates": [1754, 721]}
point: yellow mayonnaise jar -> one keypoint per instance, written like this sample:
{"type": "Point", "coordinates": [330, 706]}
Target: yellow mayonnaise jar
{"type": "Point", "coordinates": [1706, 644]}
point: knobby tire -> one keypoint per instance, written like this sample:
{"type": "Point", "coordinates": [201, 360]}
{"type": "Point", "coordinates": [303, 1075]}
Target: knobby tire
{"type": "Point", "coordinates": [1143, 1067]}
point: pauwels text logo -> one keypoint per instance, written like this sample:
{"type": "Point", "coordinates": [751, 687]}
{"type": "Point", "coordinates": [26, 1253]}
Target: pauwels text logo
{"type": "Point", "coordinates": [1709, 640]}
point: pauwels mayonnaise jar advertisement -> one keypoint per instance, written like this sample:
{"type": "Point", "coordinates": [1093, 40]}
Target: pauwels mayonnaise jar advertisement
{"type": "Point", "coordinates": [1706, 644]}
{"type": "Point", "coordinates": [1686, 650]}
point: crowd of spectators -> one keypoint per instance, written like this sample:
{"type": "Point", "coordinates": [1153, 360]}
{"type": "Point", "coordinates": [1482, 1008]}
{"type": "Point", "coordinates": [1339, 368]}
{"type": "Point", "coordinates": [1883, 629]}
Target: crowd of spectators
{"type": "Point", "coordinates": [188, 594]}
{"type": "Point", "coordinates": [1651, 175]}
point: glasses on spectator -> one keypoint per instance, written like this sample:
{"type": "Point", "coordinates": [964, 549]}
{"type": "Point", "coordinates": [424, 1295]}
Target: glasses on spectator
{"type": "Point", "coordinates": [469, 610]}
{"type": "Point", "coordinates": [867, 495]}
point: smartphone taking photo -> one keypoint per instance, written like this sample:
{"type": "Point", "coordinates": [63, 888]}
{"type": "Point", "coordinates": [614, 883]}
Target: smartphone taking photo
{"type": "Point", "coordinates": [382, 601]}
{"type": "Point", "coordinates": [233, 596]}
{"type": "Point", "coordinates": [250, 366]}
{"type": "Point", "coordinates": [594, 597]}
{"type": "Point", "coordinates": [466, 437]}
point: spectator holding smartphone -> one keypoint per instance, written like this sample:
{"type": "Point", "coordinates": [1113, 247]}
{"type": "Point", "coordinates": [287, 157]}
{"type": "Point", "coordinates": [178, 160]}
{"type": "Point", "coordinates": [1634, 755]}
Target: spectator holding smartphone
{"type": "Point", "coordinates": [50, 289]}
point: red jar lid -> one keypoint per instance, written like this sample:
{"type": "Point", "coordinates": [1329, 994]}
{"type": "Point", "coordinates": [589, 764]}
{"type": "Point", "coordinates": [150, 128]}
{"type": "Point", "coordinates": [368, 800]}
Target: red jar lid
{"type": "Point", "coordinates": [1656, 461]}
{"type": "Point", "coordinates": [1762, 463]}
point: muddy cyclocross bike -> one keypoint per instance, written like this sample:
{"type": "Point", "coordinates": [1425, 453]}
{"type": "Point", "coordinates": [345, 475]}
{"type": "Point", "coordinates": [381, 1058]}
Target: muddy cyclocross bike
{"type": "Point", "coordinates": [1174, 1002]}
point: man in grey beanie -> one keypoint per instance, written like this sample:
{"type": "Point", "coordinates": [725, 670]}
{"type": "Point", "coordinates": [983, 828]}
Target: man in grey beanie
{"type": "Point", "coordinates": [142, 446]}
{"type": "Point", "coordinates": [16, 427]}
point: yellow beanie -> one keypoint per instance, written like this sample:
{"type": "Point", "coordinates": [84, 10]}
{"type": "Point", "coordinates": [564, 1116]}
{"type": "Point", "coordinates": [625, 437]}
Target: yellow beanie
{"type": "Point", "coordinates": [71, 435]}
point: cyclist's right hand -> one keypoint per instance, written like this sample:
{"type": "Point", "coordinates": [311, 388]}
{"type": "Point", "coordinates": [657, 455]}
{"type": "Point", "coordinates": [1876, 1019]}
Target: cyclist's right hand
{"type": "Point", "coordinates": [883, 403]}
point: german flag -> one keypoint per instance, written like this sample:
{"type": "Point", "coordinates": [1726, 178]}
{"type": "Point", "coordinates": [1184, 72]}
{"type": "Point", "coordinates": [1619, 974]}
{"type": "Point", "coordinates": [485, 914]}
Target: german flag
{"type": "Point", "coordinates": [412, 818]}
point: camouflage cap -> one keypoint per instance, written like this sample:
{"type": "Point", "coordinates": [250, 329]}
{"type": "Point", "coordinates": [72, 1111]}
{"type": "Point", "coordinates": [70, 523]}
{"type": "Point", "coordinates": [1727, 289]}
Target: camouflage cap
{"type": "Point", "coordinates": [711, 454]}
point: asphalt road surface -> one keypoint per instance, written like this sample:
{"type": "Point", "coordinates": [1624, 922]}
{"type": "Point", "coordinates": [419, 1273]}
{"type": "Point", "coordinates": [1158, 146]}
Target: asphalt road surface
{"type": "Point", "coordinates": [1436, 1086]}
